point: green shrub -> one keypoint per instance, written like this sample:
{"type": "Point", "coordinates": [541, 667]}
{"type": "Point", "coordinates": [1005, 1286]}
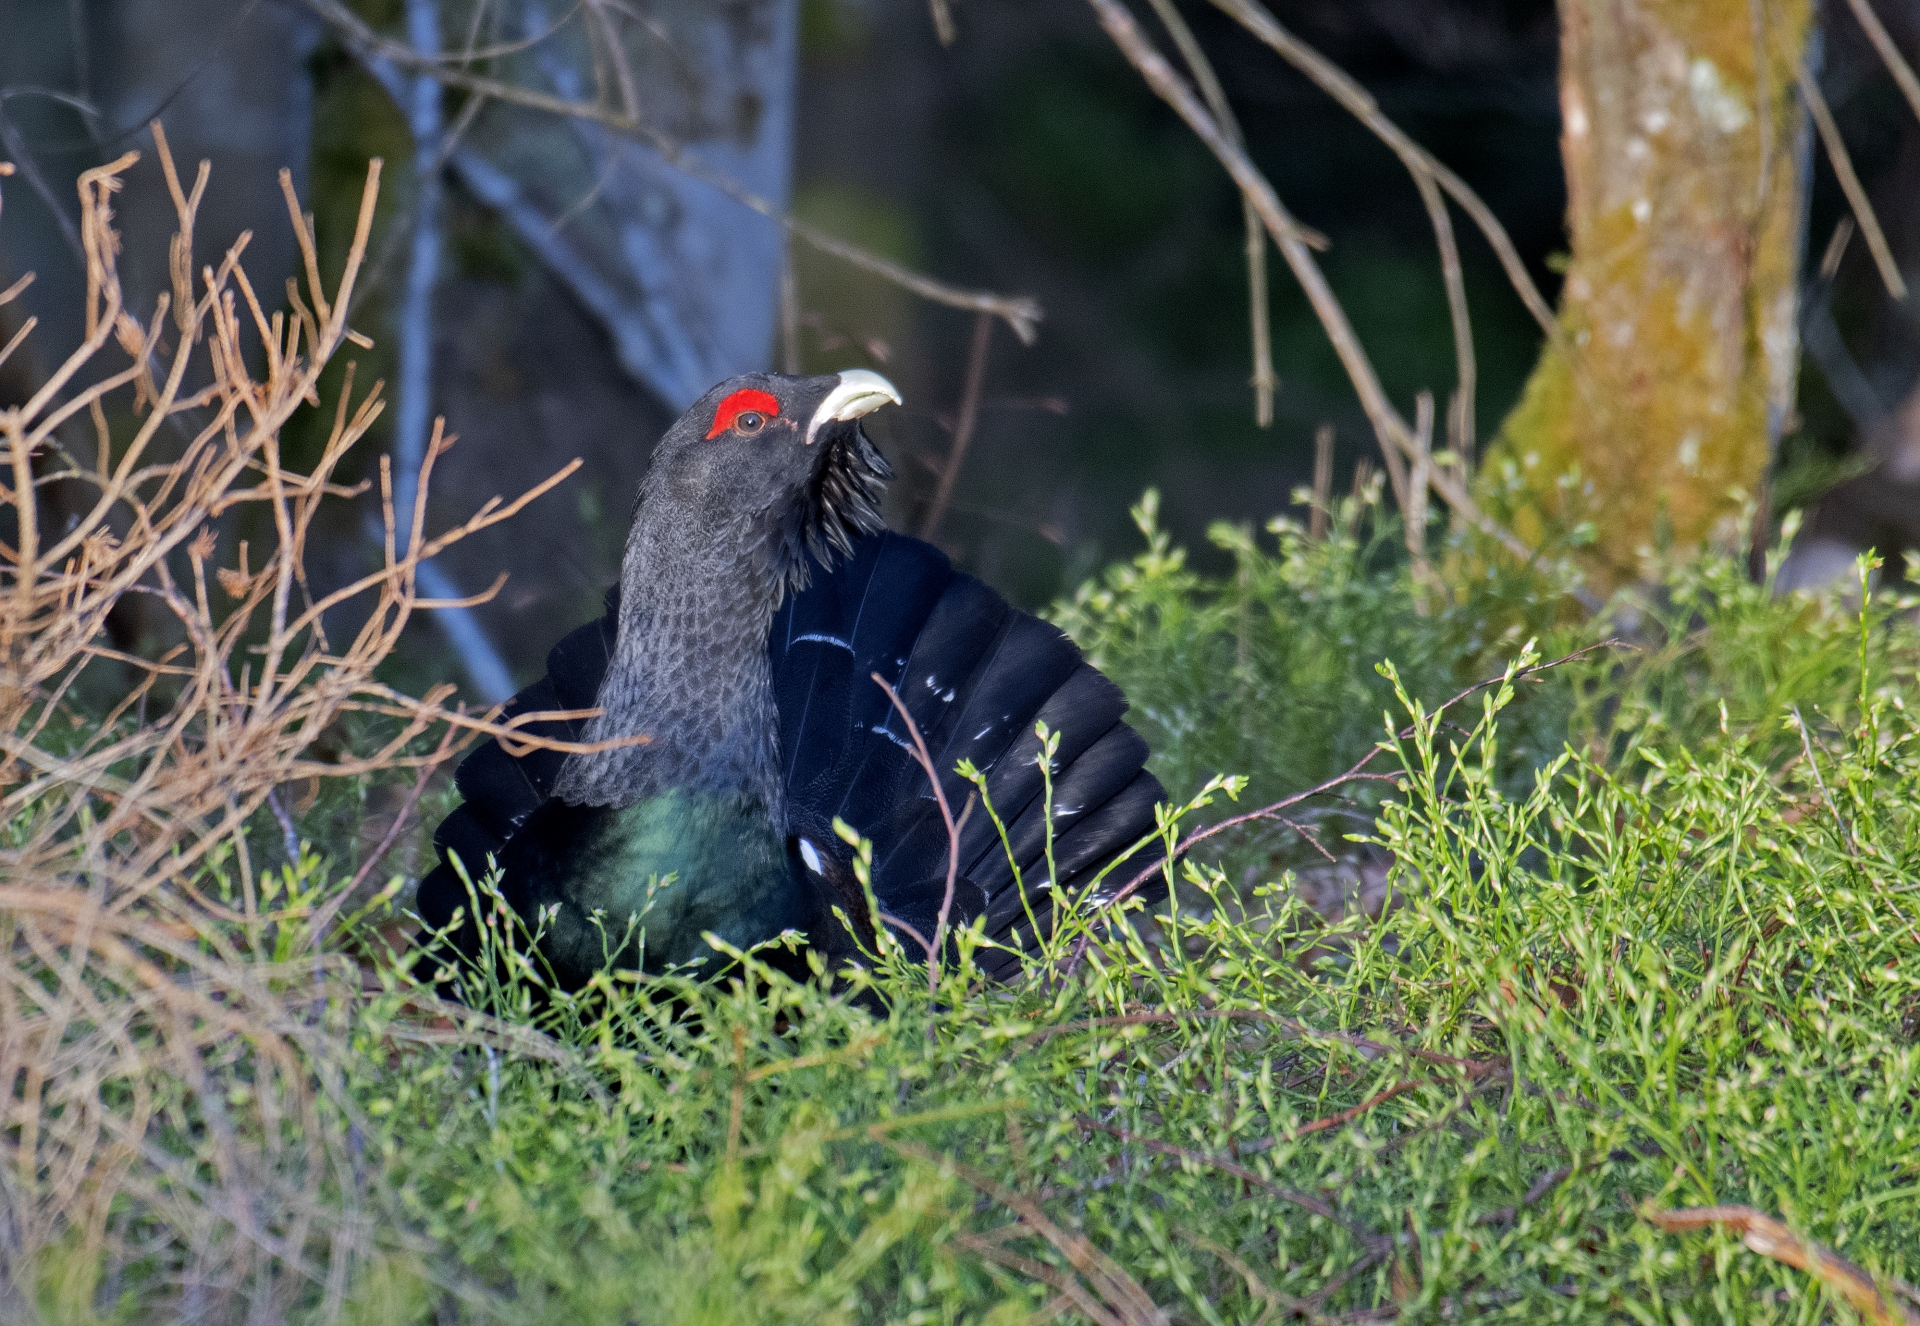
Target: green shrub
{"type": "Point", "coordinates": [1678, 981]}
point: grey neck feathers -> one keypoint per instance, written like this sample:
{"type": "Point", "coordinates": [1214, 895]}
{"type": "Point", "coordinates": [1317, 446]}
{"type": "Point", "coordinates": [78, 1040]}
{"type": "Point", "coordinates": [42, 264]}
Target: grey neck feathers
{"type": "Point", "coordinates": [689, 668]}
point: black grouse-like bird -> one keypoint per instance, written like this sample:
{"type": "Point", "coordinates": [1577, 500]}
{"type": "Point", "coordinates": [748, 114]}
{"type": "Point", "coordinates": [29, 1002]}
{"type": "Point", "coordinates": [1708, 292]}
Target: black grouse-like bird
{"type": "Point", "coordinates": [759, 593]}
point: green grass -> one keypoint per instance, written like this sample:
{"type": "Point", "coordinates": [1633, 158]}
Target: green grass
{"type": "Point", "coordinates": [1659, 950]}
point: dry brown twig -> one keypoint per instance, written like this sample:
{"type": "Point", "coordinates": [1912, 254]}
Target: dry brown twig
{"type": "Point", "coordinates": [1259, 309]}
{"type": "Point", "coordinates": [1850, 185]}
{"type": "Point", "coordinates": [1321, 510]}
{"type": "Point", "coordinates": [1763, 1234]}
{"type": "Point", "coordinates": [1097, 1285]}
{"type": "Point", "coordinates": [141, 982]}
{"type": "Point", "coordinates": [1228, 1165]}
{"type": "Point", "coordinates": [1367, 1048]}
{"type": "Point", "coordinates": [1357, 773]}
{"type": "Point", "coordinates": [963, 426]}
{"type": "Point", "coordinates": [937, 943]}
{"type": "Point", "coordinates": [1889, 53]}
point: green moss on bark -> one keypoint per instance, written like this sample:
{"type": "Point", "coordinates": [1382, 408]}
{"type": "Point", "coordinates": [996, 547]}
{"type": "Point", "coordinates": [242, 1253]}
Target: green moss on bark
{"type": "Point", "coordinates": [1673, 369]}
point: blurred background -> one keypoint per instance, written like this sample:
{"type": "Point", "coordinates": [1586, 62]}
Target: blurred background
{"type": "Point", "coordinates": [557, 288]}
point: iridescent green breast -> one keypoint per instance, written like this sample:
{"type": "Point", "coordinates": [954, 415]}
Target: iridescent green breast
{"type": "Point", "coordinates": [675, 866]}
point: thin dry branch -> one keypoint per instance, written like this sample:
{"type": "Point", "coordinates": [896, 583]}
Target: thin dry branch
{"type": "Point", "coordinates": [1850, 184]}
{"type": "Point", "coordinates": [1357, 773]}
{"type": "Point", "coordinates": [1264, 380]}
{"type": "Point", "coordinates": [1763, 1234]}
{"type": "Point", "coordinates": [1117, 1292]}
{"type": "Point", "coordinates": [1336, 83]}
{"type": "Point", "coordinates": [924, 759]}
{"type": "Point", "coordinates": [1432, 180]}
{"type": "Point", "coordinates": [1226, 1165]}
{"type": "Point", "coordinates": [136, 934]}
{"type": "Point", "coordinates": [1322, 509]}
{"type": "Point", "coordinates": [1365, 1047]}
{"type": "Point", "coordinates": [1889, 53]}
{"type": "Point", "coordinates": [1393, 431]}
{"type": "Point", "coordinates": [963, 426]}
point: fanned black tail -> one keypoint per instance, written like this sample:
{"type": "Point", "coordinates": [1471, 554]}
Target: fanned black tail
{"type": "Point", "coordinates": [976, 675]}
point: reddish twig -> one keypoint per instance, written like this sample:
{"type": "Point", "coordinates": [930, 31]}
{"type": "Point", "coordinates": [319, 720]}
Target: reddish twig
{"type": "Point", "coordinates": [1309, 837]}
{"type": "Point", "coordinates": [1305, 1201]}
{"type": "Point", "coordinates": [925, 760]}
{"type": "Point", "coordinates": [1372, 1049]}
{"type": "Point", "coordinates": [963, 426]}
{"type": "Point", "coordinates": [1110, 1282]}
{"type": "Point", "coordinates": [1343, 1118]}
{"type": "Point", "coordinates": [392, 834]}
{"type": "Point", "coordinates": [1543, 1185]}
{"type": "Point", "coordinates": [324, 917]}
{"type": "Point", "coordinates": [1072, 1294]}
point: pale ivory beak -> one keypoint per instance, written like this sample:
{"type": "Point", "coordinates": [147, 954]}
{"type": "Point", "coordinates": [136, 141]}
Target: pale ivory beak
{"type": "Point", "coordinates": [861, 391]}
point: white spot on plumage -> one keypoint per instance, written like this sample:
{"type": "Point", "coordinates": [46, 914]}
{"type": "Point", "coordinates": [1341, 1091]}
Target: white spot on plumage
{"type": "Point", "coordinates": [811, 855]}
{"type": "Point", "coordinates": [818, 638]}
{"type": "Point", "coordinates": [901, 742]}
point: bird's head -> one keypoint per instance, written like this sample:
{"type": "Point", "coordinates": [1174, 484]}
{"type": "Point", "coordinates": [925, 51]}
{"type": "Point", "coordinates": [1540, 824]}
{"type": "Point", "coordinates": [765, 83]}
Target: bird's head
{"type": "Point", "coordinates": [777, 462]}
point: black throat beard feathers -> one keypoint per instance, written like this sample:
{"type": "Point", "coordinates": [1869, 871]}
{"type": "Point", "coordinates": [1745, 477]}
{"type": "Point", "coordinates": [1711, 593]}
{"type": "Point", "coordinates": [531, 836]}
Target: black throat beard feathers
{"type": "Point", "coordinates": [841, 503]}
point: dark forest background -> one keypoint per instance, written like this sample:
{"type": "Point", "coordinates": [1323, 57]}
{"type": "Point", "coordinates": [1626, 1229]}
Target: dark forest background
{"type": "Point", "coordinates": [1024, 158]}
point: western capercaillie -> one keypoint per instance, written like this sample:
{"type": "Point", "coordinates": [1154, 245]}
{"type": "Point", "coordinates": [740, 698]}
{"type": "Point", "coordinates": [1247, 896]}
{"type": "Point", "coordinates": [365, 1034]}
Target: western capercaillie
{"type": "Point", "coordinates": [759, 593]}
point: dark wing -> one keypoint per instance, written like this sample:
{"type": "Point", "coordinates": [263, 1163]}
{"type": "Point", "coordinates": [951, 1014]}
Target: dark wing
{"type": "Point", "coordinates": [499, 791]}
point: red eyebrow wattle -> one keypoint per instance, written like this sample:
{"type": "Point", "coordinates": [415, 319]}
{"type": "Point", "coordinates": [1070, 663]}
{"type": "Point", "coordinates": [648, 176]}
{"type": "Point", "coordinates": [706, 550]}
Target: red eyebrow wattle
{"type": "Point", "coordinates": [747, 398]}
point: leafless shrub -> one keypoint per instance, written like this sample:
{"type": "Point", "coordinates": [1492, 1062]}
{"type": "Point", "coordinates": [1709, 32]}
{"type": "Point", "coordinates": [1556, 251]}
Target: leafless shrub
{"type": "Point", "coordinates": [168, 1021]}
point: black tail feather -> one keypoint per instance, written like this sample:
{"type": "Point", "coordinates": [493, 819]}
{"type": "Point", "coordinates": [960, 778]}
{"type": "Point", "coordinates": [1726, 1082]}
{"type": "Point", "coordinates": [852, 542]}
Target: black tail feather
{"type": "Point", "coordinates": [975, 675]}
{"type": "Point", "coordinates": [1080, 712]}
{"type": "Point", "coordinates": [1081, 791]}
{"type": "Point", "coordinates": [578, 664]}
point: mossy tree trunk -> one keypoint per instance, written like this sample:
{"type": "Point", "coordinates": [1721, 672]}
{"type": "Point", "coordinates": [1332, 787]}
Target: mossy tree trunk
{"type": "Point", "coordinates": [1655, 407]}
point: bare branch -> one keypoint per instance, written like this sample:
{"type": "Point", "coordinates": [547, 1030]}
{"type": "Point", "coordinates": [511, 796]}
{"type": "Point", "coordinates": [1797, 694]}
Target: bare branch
{"type": "Point", "coordinates": [1357, 773]}
{"type": "Point", "coordinates": [1305, 1201]}
{"type": "Point", "coordinates": [1849, 181]}
{"type": "Point", "coordinates": [1392, 430]}
{"type": "Point", "coordinates": [1259, 308]}
{"type": "Point", "coordinates": [1334, 81]}
{"type": "Point", "coordinates": [1889, 53]}
{"type": "Point", "coordinates": [963, 427]}
{"type": "Point", "coordinates": [139, 972]}
{"type": "Point", "coordinates": [1020, 313]}
{"type": "Point", "coordinates": [925, 760]}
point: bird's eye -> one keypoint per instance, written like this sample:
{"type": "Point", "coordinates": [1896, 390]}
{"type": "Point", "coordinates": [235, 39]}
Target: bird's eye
{"type": "Point", "coordinates": [750, 421]}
